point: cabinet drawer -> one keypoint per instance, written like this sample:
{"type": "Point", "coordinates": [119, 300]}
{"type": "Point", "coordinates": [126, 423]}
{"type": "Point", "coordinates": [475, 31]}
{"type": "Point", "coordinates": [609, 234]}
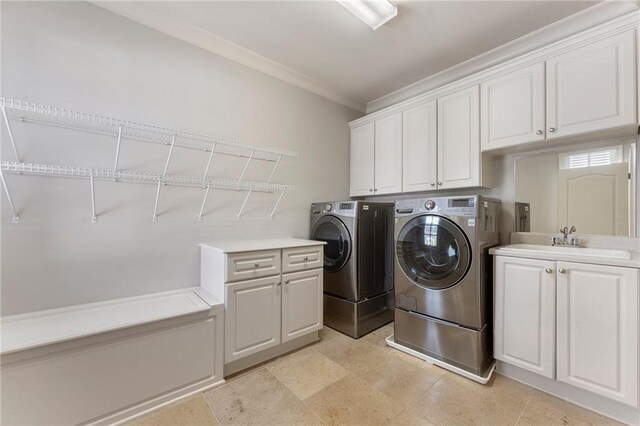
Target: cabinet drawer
{"type": "Point", "coordinates": [302, 258]}
{"type": "Point", "coordinates": [254, 264]}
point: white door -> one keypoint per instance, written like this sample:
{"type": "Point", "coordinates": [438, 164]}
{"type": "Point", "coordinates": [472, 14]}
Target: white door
{"type": "Point", "coordinates": [301, 303]}
{"type": "Point", "coordinates": [362, 160]}
{"type": "Point", "coordinates": [524, 313]}
{"type": "Point", "coordinates": [598, 329]}
{"type": "Point", "coordinates": [388, 155]}
{"type": "Point", "coordinates": [419, 148]}
{"type": "Point", "coordinates": [609, 185]}
{"type": "Point", "coordinates": [512, 108]}
{"type": "Point", "coordinates": [592, 88]}
{"type": "Point", "coordinates": [252, 317]}
{"type": "Point", "coordinates": [459, 139]}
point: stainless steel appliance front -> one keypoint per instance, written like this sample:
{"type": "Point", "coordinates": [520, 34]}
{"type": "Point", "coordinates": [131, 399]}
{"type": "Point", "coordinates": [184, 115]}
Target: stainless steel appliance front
{"type": "Point", "coordinates": [358, 262]}
{"type": "Point", "coordinates": [443, 272]}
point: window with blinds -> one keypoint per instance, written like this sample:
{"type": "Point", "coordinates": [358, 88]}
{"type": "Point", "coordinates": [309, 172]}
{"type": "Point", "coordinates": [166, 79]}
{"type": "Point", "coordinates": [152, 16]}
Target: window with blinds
{"type": "Point", "coordinates": [601, 157]}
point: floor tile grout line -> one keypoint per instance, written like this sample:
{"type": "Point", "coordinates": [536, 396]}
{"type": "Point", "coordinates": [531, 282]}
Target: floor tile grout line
{"type": "Point", "coordinates": [210, 408]}
{"type": "Point", "coordinates": [524, 408]}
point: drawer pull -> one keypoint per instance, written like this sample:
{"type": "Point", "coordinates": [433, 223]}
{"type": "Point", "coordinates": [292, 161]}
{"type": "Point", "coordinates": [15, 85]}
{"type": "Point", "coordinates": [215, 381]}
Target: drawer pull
{"type": "Point", "coordinates": [562, 270]}
{"type": "Point", "coordinates": [286, 282]}
{"type": "Point", "coordinates": [305, 258]}
{"type": "Point", "coordinates": [548, 270]}
{"type": "Point", "coordinates": [256, 265]}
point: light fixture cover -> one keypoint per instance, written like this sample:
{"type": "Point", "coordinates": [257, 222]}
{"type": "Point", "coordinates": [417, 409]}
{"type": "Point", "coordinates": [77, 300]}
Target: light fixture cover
{"type": "Point", "coordinates": [372, 12]}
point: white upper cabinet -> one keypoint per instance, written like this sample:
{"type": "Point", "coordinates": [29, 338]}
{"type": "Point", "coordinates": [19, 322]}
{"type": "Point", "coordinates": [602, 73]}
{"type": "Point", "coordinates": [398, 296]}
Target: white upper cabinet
{"type": "Point", "coordinates": [512, 109]}
{"type": "Point", "coordinates": [362, 157]}
{"type": "Point", "coordinates": [592, 88]}
{"type": "Point", "coordinates": [388, 155]}
{"type": "Point", "coordinates": [598, 329]}
{"type": "Point", "coordinates": [525, 314]}
{"type": "Point", "coordinates": [459, 139]}
{"type": "Point", "coordinates": [420, 148]}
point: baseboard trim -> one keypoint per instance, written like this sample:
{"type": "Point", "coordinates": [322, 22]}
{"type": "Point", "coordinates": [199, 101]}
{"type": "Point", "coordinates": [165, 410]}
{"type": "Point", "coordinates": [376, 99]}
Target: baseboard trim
{"type": "Point", "coordinates": [588, 400]}
{"type": "Point", "coordinates": [144, 408]}
{"type": "Point", "coordinates": [260, 357]}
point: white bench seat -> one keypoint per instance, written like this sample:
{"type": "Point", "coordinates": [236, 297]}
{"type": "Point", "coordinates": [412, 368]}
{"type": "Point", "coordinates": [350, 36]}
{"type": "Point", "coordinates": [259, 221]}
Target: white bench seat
{"type": "Point", "coordinates": [110, 361]}
{"type": "Point", "coordinates": [34, 329]}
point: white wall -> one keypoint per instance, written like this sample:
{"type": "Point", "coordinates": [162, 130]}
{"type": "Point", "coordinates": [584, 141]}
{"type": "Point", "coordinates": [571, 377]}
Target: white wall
{"type": "Point", "coordinates": [80, 56]}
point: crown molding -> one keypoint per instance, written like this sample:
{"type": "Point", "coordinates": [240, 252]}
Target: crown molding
{"type": "Point", "coordinates": [593, 16]}
{"type": "Point", "coordinates": [143, 13]}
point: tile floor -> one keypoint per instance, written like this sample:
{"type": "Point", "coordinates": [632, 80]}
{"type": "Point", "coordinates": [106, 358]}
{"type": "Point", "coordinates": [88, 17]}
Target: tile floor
{"type": "Point", "coordinates": [341, 381]}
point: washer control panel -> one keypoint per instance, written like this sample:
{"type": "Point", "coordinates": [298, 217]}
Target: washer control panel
{"type": "Point", "coordinates": [453, 206]}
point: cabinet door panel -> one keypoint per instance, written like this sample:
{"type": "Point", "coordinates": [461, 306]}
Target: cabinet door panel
{"type": "Point", "coordinates": [524, 326]}
{"type": "Point", "coordinates": [512, 109]}
{"type": "Point", "coordinates": [301, 303]}
{"type": "Point", "coordinates": [459, 139]}
{"type": "Point", "coordinates": [388, 155]}
{"type": "Point", "coordinates": [598, 329]}
{"type": "Point", "coordinates": [592, 88]}
{"type": "Point", "coordinates": [252, 317]}
{"type": "Point", "coordinates": [362, 160]}
{"type": "Point", "coordinates": [419, 148]}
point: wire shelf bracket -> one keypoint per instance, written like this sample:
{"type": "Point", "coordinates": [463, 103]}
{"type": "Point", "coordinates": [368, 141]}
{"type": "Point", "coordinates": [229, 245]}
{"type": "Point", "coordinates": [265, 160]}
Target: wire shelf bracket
{"type": "Point", "coordinates": [14, 216]}
{"type": "Point", "coordinates": [94, 218]}
{"type": "Point", "coordinates": [10, 132]}
{"type": "Point", "coordinates": [277, 203]}
{"type": "Point", "coordinates": [244, 203]}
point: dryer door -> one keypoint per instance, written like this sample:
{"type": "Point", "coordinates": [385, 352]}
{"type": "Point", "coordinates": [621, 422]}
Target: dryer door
{"type": "Point", "coordinates": [433, 252]}
{"type": "Point", "coordinates": [333, 231]}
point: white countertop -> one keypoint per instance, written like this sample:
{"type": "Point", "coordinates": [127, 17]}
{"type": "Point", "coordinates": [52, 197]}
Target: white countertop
{"type": "Point", "coordinates": [510, 250]}
{"type": "Point", "coordinates": [33, 329]}
{"type": "Point", "coordinates": [235, 246]}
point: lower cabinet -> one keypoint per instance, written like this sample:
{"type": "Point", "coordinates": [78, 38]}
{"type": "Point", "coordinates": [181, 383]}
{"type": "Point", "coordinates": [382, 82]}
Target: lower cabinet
{"type": "Point", "coordinates": [525, 314]}
{"type": "Point", "coordinates": [252, 317]}
{"type": "Point", "coordinates": [573, 322]}
{"type": "Point", "coordinates": [301, 303]}
{"type": "Point", "coordinates": [272, 292]}
{"type": "Point", "coordinates": [598, 329]}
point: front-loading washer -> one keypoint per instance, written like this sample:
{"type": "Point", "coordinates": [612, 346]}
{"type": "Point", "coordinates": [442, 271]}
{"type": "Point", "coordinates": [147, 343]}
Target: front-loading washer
{"type": "Point", "coordinates": [442, 278]}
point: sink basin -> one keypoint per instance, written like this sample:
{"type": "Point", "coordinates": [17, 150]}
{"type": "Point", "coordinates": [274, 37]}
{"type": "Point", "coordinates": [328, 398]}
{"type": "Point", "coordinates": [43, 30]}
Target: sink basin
{"type": "Point", "coordinates": [569, 251]}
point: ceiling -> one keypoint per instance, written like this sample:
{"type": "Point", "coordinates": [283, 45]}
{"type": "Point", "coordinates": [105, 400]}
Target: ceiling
{"type": "Point", "coordinates": [322, 40]}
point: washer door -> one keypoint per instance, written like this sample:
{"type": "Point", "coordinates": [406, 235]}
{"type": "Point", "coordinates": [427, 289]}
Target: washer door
{"type": "Point", "coordinates": [433, 252]}
{"type": "Point", "coordinates": [337, 251]}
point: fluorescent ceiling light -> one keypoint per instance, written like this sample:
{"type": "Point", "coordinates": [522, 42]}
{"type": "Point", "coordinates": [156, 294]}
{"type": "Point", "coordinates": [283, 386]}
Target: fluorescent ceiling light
{"type": "Point", "coordinates": [372, 12]}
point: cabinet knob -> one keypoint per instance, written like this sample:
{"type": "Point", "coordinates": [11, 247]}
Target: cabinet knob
{"type": "Point", "coordinates": [539, 132]}
{"type": "Point", "coordinates": [305, 258]}
{"type": "Point", "coordinates": [562, 270]}
{"type": "Point", "coordinates": [278, 283]}
{"type": "Point", "coordinates": [433, 184]}
{"type": "Point", "coordinates": [256, 265]}
{"type": "Point", "coordinates": [375, 190]}
{"type": "Point", "coordinates": [552, 129]}
{"type": "Point", "coordinates": [548, 270]}
{"type": "Point", "coordinates": [287, 282]}
{"type": "Point", "coordinates": [370, 189]}
{"type": "Point", "coordinates": [439, 183]}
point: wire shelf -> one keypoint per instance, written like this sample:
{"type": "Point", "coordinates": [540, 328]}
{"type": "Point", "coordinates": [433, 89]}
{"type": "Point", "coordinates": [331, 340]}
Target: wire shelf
{"type": "Point", "coordinates": [28, 112]}
{"type": "Point", "coordinates": [139, 177]}
{"type": "Point", "coordinates": [94, 123]}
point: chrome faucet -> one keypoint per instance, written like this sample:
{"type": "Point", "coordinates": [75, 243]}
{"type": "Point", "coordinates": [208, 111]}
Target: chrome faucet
{"type": "Point", "coordinates": [565, 241]}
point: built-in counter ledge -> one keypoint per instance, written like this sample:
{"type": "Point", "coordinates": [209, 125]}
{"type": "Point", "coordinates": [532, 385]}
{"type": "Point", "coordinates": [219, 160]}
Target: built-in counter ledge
{"type": "Point", "coordinates": [590, 255]}
{"type": "Point", "coordinates": [237, 246]}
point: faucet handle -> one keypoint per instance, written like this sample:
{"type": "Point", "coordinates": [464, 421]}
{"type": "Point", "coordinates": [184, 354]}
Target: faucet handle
{"type": "Point", "coordinates": [573, 229]}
